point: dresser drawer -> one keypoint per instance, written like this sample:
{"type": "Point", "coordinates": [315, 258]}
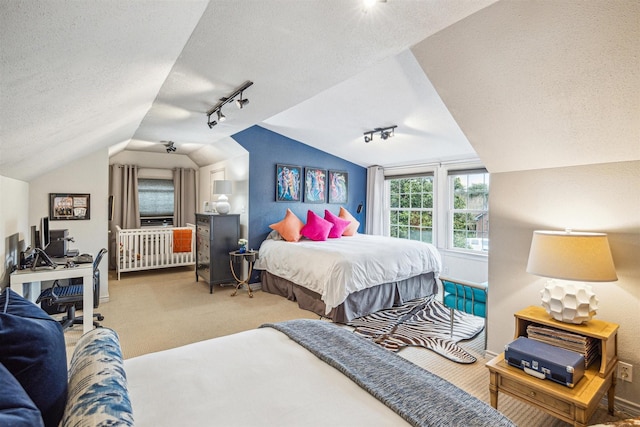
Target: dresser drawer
{"type": "Point", "coordinates": [537, 397]}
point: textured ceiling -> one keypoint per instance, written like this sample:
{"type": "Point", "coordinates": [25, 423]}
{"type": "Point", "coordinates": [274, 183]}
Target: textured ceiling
{"type": "Point", "coordinates": [523, 84]}
{"type": "Point", "coordinates": [80, 76]}
{"type": "Point", "coordinates": [542, 84]}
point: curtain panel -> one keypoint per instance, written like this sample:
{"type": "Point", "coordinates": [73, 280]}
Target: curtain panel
{"type": "Point", "coordinates": [184, 196]}
{"type": "Point", "coordinates": [375, 201]}
{"type": "Point", "coordinates": [125, 211]}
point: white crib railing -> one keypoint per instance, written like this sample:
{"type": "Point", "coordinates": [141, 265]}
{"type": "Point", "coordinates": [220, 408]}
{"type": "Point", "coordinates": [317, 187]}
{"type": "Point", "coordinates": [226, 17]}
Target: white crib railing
{"type": "Point", "coordinates": [150, 248]}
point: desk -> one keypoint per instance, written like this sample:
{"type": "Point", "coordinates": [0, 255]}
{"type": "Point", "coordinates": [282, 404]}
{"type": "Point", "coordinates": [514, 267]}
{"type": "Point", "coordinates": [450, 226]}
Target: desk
{"type": "Point", "coordinates": [85, 271]}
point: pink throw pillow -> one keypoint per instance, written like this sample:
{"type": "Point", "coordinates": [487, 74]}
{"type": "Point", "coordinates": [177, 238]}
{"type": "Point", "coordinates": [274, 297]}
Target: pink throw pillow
{"type": "Point", "coordinates": [316, 228]}
{"type": "Point", "coordinates": [289, 228]}
{"type": "Point", "coordinates": [339, 224]}
{"type": "Point", "coordinates": [353, 226]}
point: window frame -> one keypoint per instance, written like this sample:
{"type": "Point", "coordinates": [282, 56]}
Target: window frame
{"type": "Point", "coordinates": [412, 209]}
{"type": "Point", "coordinates": [160, 219]}
{"type": "Point", "coordinates": [452, 211]}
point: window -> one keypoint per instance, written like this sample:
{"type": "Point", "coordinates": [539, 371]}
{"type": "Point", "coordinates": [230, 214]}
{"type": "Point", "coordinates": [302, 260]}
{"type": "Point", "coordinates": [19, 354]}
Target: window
{"type": "Point", "coordinates": [411, 208]}
{"type": "Point", "coordinates": [469, 210]}
{"type": "Point", "coordinates": [155, 197]}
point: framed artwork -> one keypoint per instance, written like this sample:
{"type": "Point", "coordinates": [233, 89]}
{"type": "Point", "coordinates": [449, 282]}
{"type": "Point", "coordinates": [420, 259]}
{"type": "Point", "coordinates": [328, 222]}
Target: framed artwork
{"type": "Point", "coordinates": [288, 183]}
{"type": "Point", "coordinates": [67, 206]}
{"type": "Point", "coordinates": [338, 186]}
{"type": "Point", "coordinates": [315, 185]}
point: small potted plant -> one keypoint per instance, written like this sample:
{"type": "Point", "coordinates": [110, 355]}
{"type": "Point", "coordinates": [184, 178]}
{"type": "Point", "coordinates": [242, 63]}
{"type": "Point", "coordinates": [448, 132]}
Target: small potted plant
{"type": "Point", "coordinates": [243, 245]}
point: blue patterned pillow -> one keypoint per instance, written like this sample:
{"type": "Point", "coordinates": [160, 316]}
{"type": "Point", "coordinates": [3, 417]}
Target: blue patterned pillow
{"type": "Point", "coordinates": [16, 408]}
{"type": "Point", "coordinates": [33, 350]}
{"type": "Point", "coordinates": [98, 393]}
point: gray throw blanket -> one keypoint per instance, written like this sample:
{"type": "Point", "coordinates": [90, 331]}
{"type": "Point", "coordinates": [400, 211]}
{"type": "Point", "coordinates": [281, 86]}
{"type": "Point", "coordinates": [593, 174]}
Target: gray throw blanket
{"type": "Point", "coordinates": [418, 396]}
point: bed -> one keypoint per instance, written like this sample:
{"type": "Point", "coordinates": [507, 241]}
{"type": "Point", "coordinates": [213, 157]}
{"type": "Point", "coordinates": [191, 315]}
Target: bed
{"type": "Point", "coordinates": [300, 372]}
{"type": "Point", "coordinates": [349, 277]}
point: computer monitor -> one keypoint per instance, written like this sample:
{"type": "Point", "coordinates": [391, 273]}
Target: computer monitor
{"type": "Point", "coordinates": [12, 257]}
{"type": "Point", "coordinates": [35, 238]}
{"type": "Point", "coordinates": [44, 232]}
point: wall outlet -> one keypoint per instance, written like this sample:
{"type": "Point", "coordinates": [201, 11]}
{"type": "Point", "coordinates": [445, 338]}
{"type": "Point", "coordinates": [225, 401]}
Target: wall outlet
{"type": "Point", "coordinates": [625, 372]}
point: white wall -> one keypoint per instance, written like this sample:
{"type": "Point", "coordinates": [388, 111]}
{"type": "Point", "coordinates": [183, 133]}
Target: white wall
{"type": "Point", "coordinates": [236, 170]}
{"type": "Point", "coordinates": [89, 175]}
{"type": "Point", "coordinates": [603, 198]}
{"type": "Point", "coordinates": [14, 218]}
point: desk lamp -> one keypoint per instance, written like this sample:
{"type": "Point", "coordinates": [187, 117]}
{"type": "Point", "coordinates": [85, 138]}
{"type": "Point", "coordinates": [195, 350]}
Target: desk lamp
{"type": "Point", "coordinates": [222, 187]}
{"type": "Point", "coordinates": [570, 256]}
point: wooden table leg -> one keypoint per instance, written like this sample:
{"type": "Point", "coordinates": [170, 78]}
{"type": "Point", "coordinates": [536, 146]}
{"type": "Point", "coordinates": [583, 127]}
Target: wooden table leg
{"type": "Point", "coordinates": [580, 418]}
{"type": "Point", "coordinates": [611, 393]}
{"type": "Point", "coordinates": [493, 389]}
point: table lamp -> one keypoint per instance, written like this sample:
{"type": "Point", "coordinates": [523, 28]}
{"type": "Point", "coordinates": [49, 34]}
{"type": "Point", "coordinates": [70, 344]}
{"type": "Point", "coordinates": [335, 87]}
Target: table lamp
{"type": "Point", "coordinates": [222, 187]}
{"type": "Point", "coordinates": [570, 256]}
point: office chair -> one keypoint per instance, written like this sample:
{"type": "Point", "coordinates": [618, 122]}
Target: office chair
{"type": "Point", "coordinates": [70, 296]}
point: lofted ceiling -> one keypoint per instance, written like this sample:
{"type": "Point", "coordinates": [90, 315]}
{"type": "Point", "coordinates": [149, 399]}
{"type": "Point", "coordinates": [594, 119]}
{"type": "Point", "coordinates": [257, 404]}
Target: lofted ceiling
{"type": "Point", "coordinates": [523, 84]}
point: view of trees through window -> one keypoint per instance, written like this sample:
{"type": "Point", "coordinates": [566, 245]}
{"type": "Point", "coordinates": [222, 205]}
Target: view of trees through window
{"type": "Point", "coordinates": [470, 210]}
{"type": "Point", "coordinates": [155, 197]}
{"type": "Point", "coordinates": [411, 208]}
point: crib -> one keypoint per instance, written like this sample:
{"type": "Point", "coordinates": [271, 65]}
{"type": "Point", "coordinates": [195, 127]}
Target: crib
{"type": "Point", "coordinates": [155, 247]}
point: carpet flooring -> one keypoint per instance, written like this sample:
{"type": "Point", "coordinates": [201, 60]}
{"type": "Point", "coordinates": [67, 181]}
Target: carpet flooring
{"type": "Point", "coordinates": [157, 310]}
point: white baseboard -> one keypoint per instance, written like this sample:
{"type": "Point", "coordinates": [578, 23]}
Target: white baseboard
{"type": "Point", "coordinates": [625, 406]}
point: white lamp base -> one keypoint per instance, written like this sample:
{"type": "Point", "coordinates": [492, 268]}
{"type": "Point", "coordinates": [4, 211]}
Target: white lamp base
{"type": "Point", "coordinates": [569, 302]}
{"type": "Point", "coordinates": [222, 206]}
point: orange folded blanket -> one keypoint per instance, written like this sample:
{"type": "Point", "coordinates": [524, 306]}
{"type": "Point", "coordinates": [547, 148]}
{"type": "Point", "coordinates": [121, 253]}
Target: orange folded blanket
{"type": "Point", "coordinates": [182, 240]}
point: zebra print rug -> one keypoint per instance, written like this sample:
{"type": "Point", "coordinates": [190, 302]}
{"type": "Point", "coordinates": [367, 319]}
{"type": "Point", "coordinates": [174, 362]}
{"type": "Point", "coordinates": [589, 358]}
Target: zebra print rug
{"type": "Point", "coordinates": [423, 322]}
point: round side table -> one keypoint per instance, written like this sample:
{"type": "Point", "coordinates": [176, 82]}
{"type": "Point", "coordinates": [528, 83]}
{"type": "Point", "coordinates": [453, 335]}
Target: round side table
{"type": "Point", "coordinates": [236, 257]}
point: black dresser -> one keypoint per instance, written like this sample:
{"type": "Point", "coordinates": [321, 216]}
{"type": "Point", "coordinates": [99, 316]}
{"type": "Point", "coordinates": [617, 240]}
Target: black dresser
{"type": "Point", "coordinates": [216, 236]}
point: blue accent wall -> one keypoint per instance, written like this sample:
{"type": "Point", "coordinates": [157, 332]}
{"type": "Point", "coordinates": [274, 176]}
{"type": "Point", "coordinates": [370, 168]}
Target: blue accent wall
{"type": "Point", "coordinates": [266, 150]}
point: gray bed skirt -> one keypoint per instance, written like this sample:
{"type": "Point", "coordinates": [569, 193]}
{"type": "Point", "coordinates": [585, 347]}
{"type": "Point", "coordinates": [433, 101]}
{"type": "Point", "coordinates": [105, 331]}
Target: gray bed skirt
{"type": "Point", "coordinates": [358, 304]}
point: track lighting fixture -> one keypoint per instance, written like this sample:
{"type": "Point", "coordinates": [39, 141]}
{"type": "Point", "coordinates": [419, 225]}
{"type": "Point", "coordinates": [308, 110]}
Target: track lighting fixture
{"type": "Point", "coordinates": [241, 102]}
{"type": "Point", "coordinates": [385, 133]}
{"type": "Point", "coordinates": [169, 146]}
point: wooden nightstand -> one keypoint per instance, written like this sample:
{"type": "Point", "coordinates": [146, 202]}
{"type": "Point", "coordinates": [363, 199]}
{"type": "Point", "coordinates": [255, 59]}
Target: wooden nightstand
{"type": "Point", "coordinates": [574, 405]}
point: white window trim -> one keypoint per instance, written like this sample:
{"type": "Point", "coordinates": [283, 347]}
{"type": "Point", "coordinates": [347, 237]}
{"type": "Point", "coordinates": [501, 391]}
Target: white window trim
{"type": "Point", "coordinates": [448, 244]}
{"type": "Point", "coordinates": [442, 219]}
{"type": "Point", "coordinates": [387, 206]}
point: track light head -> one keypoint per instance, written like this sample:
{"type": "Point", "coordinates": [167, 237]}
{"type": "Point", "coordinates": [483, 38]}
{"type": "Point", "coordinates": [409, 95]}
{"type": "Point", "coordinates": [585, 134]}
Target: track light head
{"type": "Point", "coordinates": [241, 102]}
{"type": "Point", "coordinates": [221, 117]}
{"type": "Point", "coordinates": [368, 138]}
{"type": "Point", "coordinates": [211, 123]}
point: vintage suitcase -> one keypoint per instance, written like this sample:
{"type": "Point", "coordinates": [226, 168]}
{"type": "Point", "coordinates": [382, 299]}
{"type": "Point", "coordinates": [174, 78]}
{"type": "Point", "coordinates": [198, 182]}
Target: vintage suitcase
{"type": "Point", "coordinates": [543, 360]}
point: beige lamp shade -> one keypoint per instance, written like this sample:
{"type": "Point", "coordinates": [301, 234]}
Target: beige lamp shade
{"type": "Point", "coordinates": [222, 187]}
{"type": "Point", "coordinates": [571, 256]}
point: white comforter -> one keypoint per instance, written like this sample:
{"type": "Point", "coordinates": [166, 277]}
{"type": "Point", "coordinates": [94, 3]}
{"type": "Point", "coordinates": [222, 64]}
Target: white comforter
{"type": "Point", "coordinates": [336, 268]}
{"type": "Point", "coordinates": [254, 378]}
